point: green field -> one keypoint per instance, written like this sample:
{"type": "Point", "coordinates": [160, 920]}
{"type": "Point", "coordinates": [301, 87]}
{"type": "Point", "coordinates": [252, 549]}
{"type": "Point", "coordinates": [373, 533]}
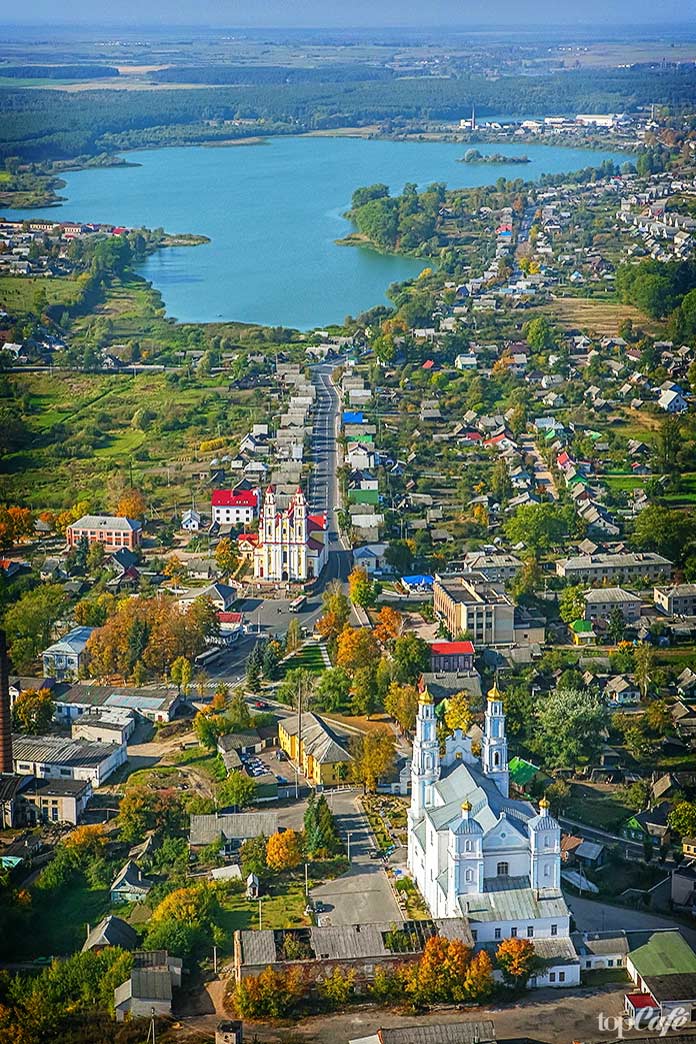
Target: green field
{"type": "Point", "coordinates": [284, 908]}
{"type": "Point", "coordinates": [597, 805]}
{"type": "Point", "coordinates": [17, 293]}
{"type": "Point", "coordinates": [84, 427]}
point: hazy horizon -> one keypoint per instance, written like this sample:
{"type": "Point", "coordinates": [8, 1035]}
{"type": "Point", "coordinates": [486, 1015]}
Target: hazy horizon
{"type": "Point", "coordinates": [330, 14]}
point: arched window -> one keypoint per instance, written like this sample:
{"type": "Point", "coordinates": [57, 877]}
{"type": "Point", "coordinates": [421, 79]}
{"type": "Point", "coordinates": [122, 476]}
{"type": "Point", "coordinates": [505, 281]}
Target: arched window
{"type": "Point", "coordinates": [547, 841]}
{"type": "Point", "coordinates": [496, 759]}
{"type": "Point", "coordinates": [469, 875]}
{"type": "Point", "coordinates": [502, 870]}
{"type": "Point", "coordinates": [467, 846]}
{"type": "Point", "coordinates": [547, 870]}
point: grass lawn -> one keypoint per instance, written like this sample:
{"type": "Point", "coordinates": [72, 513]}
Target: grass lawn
{"type": "Point", "coordinates": [619, 481]}
{"type": "Point", "coordinates": [416, 910]}
{"type": "Point", "coordinates": [17, 292]}
{"type": "Point", "coordinates": [597, 805]}
{"type": "Point", "coordinates": [60, 918]}
{"type": "Point", "coordinates": [284, 908]}
{"type": "Point", "coordinates": [309, 657]}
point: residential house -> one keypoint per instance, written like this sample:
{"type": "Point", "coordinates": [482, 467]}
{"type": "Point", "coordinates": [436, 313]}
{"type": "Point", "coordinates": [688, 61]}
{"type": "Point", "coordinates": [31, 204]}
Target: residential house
{"type": "Point", "coordinates": [111, 931]}
{"type": "Point", "coordinates": [676, 600]}
{"type": "Point", "coordinates": [229, 507]}
{"type": "Point", "coordinates": [649, 826]}
{"type": "Point", "coordinates": [621, 691]}
{"type": "Point", "coordinates": [129, 885]}
{"type": "Point", "coordinates": [600, 603]}
{"type": "Point", "coordinates": [672, 402]}
{"type": "Point", "coordinates": [148, 989]}
{"type": "Point", "coordinates": [371, 557]}
{"type": "Point", "coordinates": [64, 658]}
{"type": "Point", "coordinates": [191, 521]}
{"type": "Point", "coordinates": [230, 829]}
{"type": "Point", "coordinates": [623, 566]}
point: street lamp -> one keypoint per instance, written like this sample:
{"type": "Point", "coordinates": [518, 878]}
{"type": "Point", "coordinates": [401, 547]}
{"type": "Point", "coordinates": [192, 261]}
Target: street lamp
{"type": "Point", "coordinates": [349, 834]}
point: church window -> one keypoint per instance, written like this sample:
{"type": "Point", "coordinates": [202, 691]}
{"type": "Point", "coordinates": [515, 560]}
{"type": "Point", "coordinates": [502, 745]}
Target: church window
{"type": "Point", "coordinates": [474, 934]}
{"type": "Point", "coordinates": [469, 876]}
{"type": "Point", "coordinates": [554, 929]}
{"type": "Point", "coordinates": [467, 846]}
{"type": "Point", "coordinates": [496, 759]}
{"type": "Point", "coordinates": [503, 870]}
{"type": "Point", "coordinates": [552, 976]}
{"type": "Point", "coordinates": [561, 976]}
{"type": "Point", "coordinates": [530, 932]}
{"type": "Point", "coordinates": [547, 870]}
{"type": "Point", "coordinates": [498, 932]}
{"type": "Point", "coordinates": [547, 841]}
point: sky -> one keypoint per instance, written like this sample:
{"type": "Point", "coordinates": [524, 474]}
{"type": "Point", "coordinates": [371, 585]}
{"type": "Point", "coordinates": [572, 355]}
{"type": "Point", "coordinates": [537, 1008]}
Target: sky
{"type": "Point", "coordinates": [351, 13]}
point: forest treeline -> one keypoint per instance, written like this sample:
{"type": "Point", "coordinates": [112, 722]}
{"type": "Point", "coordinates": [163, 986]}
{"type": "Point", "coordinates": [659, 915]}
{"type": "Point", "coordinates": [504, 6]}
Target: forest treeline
{"type": "Point", "coordinates": [57, 72]}
{"type": "Point", "coordinates": [262, 74]}
{"type": "Point", "coordinates": [39, 125]}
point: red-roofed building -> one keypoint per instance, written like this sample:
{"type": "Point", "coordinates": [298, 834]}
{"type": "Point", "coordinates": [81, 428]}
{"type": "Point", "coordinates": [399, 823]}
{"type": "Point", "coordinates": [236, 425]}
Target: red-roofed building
{"type": "Point", "coordinates": [451, 656]}
{"type": "Point", "coordinates": [230, 508]}
{"type": "Point", "coordinates": [231, 625]}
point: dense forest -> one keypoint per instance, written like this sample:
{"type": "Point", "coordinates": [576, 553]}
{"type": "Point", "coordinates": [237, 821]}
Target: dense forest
{"type": "Point", "coordinates": [662, 289]}
{"type": "Point", "coordinates": [57, 72]}
{"type": "Point", "coordinates": [262, 74]}
{"type": "Point", "coordinates": [37, 125]}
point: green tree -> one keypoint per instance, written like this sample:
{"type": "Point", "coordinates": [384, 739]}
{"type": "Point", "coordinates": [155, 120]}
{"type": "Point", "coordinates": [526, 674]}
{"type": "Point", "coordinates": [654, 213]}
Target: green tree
{"type": "Point", "coordinates": [643, 666]}
{"type": "Point", "coordinates": [616, 624]}
{"type": "Point", "coordinates": [362, 590]}
{"type": "Point", "coordinates": [32, 712]}
{"type": "Point", "coordinates": [571, 727]}
{"type": "Point", "coordinates": [571, 603]}
{"type": "Point", "coordinates": [29, 623]}
{"type": "Point", "coordinates": [181, 674]}
{"type": "Point", "coordinates": [411, 658]}
{"type": "Point", "coordinates": [333, 690]}
{"type": "Point", "coordinates": [238, 790]}
{"type": "Point", "coordinates": [399, 556]}
{"type": "Point", "coordinates": [538, 333]}
{"type": "Point", "coordinates": [538, 526]}
{"type": "Point", "coordinates": [682, 819]}
{"type": "Point", "coordinates": [669, 532]}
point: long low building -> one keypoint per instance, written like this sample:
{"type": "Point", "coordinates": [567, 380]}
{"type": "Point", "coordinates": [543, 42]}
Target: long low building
{"type": "Point", "coordinates": [53, 757]}
{"type": "Point", "coordinates": [158, 704]}
{"type": "Point", "coordinates": [644, 565]}
{"type": "Point", "coordinates": [230, 830]}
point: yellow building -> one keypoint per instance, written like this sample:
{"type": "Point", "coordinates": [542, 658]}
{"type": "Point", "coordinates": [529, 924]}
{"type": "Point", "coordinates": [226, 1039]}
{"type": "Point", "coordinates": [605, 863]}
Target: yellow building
{"type": "Point", "coordinates": [320, 755]}
{"type": "Point", "coordinates": [689, 847]}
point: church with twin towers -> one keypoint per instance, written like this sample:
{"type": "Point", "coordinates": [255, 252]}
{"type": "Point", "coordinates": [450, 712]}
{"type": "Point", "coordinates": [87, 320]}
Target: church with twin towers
{"type": "Point", "coordinates": [479, 854]}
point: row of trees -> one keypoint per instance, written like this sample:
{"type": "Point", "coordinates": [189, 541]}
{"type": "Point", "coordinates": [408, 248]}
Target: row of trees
{"type": "Point", "coordinates": [448, 972]}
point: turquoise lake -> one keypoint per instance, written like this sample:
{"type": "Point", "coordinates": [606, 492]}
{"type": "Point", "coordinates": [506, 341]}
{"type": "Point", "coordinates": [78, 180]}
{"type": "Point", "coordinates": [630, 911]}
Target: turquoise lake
{"type": "Point", "coordinates": [273, 213]}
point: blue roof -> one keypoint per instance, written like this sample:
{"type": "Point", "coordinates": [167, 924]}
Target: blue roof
{"type": "Point", "coordinates": [352, 417]}
{"type": "Point", "coordinates": [419, 580]}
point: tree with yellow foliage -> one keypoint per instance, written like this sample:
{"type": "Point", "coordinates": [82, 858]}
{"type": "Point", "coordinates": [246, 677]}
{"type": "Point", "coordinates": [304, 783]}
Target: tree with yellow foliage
{"type": "Point", "coordinates": [517, 961]}
{"type": "Point", "coordinates": [284, 851]}
{"type": "Point", "coordinates": [357, 647]}
{"type": "Point", "coordinates": [388, 625]}
{"type": "Point", "coordinates": [458, 713]}
{"type": "Point", "coordinates": [131, 505]}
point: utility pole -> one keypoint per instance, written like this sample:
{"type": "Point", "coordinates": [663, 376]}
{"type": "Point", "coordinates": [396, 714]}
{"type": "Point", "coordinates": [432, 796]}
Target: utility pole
{"type": "Point", "coordinates": [259, 915]}
{"type": "Point", "coordinates": [349, 835]}
{"type": "Point", "coordinates": [306, 881]}
{"type": "Point", "coordinates": [151, 1039]}
{"type": "Point", "coordinates": [215, 959]}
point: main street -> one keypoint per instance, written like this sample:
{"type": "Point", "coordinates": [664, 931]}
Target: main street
{"type": "Point", "coordinates": [268, 617]}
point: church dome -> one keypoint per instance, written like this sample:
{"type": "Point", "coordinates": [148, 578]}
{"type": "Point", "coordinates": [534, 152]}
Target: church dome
{"type": "Point", "coordinates": [425, 697]}
{"type": "Point", "coordinates": [466, 824]}
{"type": "Point", "coordinates": [494, 693]}
{"type": "Point", "coordinates": [544, 820]}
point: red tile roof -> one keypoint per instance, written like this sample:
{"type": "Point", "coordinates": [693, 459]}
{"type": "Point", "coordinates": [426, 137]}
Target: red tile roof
{"type": "Point", "coordinates": [451, 648]}
{"type": "Point", "coordinates": [226, 498]}
{"type": "Point", "coordinates": [231, 618]}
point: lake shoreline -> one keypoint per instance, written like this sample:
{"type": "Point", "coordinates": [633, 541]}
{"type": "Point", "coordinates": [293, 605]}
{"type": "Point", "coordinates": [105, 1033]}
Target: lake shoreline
{"type": "Point", "coordinates": [274, 217]}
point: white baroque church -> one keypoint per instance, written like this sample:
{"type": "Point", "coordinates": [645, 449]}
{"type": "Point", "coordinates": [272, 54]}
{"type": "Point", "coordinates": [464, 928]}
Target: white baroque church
{"type": "Point", "coordinates": [476, 853]}
{"type": "Point", "coordinates": [292, 544]}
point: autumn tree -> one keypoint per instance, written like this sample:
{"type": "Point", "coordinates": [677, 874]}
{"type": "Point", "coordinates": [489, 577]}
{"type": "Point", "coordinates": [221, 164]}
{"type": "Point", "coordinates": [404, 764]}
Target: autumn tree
{"type": "Point", "coordinates": [517, 960]}
{"type": "Point", "coordinates": [335, 611]}
{"type": "Point", "coordinates": [32, 712]}
{"type": "Point", "coordinates": [226, 556]}
{"type": "Point", "coordinates": [374, 756]}
{"type": "Point", "coordinates": [388, 625]}
{"type": "Point", "coordinates": [87, 841]}
{"type": "Point", "coordinates": [131, 505]}
{"type": "Point", "coordinates": [142, 809]}
{"type": "Point", "coordinates": [273, 993]}
{"type": "Point", "coordinates": [181, 673]}
{"type": "Point", "coordinates": [357, 647]}
{"type": "Point", "coordinates": [479, 982]}
{"type": "Point", "coordinates": [458, 713]}
{"type": "Point", "coordinates": [401, 703]}
{"type": "Point", "coordinates": [208, 725]}
{"type": "Point", "coordinates": [361, 588]}
{"type": "Point", "coordinates": [284, 851]}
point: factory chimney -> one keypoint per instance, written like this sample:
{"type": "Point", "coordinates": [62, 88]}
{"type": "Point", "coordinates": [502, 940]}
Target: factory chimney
{"type": "Point", "coordinates": [5, 723]}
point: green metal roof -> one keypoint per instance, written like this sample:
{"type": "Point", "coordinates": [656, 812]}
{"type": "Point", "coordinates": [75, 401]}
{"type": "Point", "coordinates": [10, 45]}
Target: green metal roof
{"type": "Point", "coordinates": [665, 953]}
{"type": "Point", "coordinates": [581, 626]}
{"type": "Point", "coordinates": [522, 772]}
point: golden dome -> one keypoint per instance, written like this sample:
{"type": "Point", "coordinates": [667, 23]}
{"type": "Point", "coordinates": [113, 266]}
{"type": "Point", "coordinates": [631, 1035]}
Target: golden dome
{"type": "Point", "coordinates": [425, 697]}
{"type": "Point", "coordinates": [495, 693]}
{"type": "Point", "coordinates": [466, 806]}
{"type": "Point", "coordinates": [544, 803]}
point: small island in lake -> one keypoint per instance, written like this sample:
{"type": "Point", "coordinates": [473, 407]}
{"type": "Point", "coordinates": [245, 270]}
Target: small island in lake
{"type": "Point", "coordinates": [474, 156]}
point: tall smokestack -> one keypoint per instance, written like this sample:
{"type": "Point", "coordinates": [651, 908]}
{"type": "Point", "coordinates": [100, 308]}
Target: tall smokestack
{"type": "Point", "coordinates": [5, 722]}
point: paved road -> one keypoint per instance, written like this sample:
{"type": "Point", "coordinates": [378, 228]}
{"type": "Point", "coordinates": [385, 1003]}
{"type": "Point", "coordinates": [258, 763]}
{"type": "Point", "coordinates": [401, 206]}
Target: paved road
{"type": "Point", "coordinates": [363, 894]}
